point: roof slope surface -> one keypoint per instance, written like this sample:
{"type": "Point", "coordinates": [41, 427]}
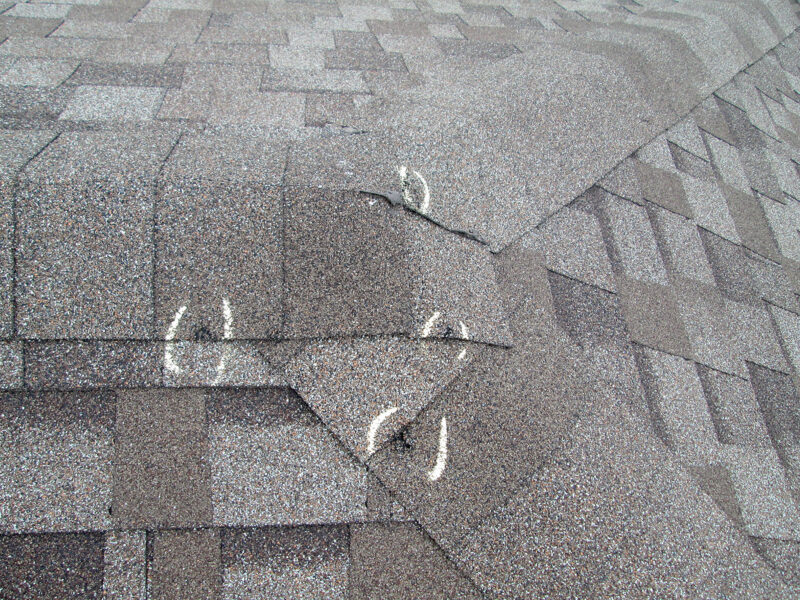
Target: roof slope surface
{"type": "Point", "coordinates": [409, 299]}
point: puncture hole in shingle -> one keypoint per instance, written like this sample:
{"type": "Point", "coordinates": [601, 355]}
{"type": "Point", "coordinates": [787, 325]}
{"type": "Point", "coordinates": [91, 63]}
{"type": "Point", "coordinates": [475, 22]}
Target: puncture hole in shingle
{"type": "Point", "coordinates": [203, 334]}
{"type": "Point", "coordinates": [402, 440]}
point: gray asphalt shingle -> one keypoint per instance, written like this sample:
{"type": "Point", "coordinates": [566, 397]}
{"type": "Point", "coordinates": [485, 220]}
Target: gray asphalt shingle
{"type": "Point", "coordinates": [161, 474]}
{"type": "Point", "coordinates": [653, 317]}
{"type": "Point", "coordinates": [57, 456]}
{"type": "Point", "coordinates": [37, 72]}
{"type": "Point", "coordinates": [681, 246]}
{"type": "Point", "coordinates": [210, 238]}
{"type": "Point", "coordinates": [125, 564]}
{"type": "Point", "coordinates": [299, 562]}
{"type": "Point", "coordinates": [572, 243]}
{"type": "Point", "coordinates": [124, 103]}
{"type": "Point", "coordinates": [70, 365]}
{"type": "Point", "coordinates": [184, 564]}
{"type": "Point", "coordinates": [345, 266]}
{"type": "Point", "coordinates": [364, 401]}
{"type": "Point", "coordinates": [84, 261]}
{"type": "Point", "coordinates": [52, 565]}
{"type": "Point", "coordinates": [397, 560]}
{"type": "Point", "coordinates": [510, 437]}
{"type": "Point", "coordinates": [269, 444]}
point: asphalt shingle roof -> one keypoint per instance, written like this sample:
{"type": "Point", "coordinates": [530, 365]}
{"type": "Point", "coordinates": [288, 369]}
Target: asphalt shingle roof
{"type": "Point", "coordinates": [401, 299]}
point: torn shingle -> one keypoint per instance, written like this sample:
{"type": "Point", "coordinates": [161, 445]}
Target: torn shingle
{"type": "Point", "coordinates": [525, 456]}
{"type": "Point", "coordinates": [355, 265]}
{"type": "Point", "coordinates": [493, 444]}
{"type": "Point", "coordinates": [349, 385]}
{"type": "Point", "coordinates": [345, 267]}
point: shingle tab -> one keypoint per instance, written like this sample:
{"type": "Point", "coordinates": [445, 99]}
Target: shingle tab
{"type": "Point", "coordinates": [587, 313]}
{"type": "Point", "coordinates": [634, 248]}
{"type": "Point", "coordinates": [364, 403]}
{"type": "Point", "coordinates": [681, 406]}
{"type": "Point", "coordinates": [298, 562]}
{"type": "Point", "coordinates": [210, 238]}
{"type": "Point", "coordinates": [345, 266]}
{"type": "Point", "coordinates": [51, 443]}
{"type": "Point", "coordinates": [652, 314]}
{"type": "Point", "coordinates": [84, 260]}
{"type": "Point", "coordinates": [52, 566]}
{"type": "Point", "coordinates": [125, 565]}
{"type": "Point", "coordinates": [71, 365]}
{"type": "Point", "coordinates": [396, 559]}
{"type": "Point", "coordinates": [166, 76]}
{"type": "Point", "coordinates": [508, 437]}
{"type": "Point", "coordinates": [11, 365]}
{"type": "Point", "coordinates": [705, 319]}
{"type": "Point", "coordinates": [681, 246]}
{"type": "Point", "coordinates": [161, 474]}
{"type": "Point", "coordinates": [572, 243]}
{"type": "Point", "coordinates": [268, 444]}
{"type": "Point", "coordinates": [38, 72]}
{"type": "Point", "coordinates": [734, 410]}
{"type": "Point", "coordinates": [184, 564]}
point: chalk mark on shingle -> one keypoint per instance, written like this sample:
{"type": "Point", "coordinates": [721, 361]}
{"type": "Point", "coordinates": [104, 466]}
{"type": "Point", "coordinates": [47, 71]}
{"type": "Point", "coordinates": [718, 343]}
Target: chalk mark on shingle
{"type": "Point", "coordinates": [227, 332]}
{"type": "Point", "coordinates": [441, 455]}
{"type": "Point", "coordinates": [375, 425]}
{"type": "Point", "coordinates": [428, 327]}
{"type": "Point", "coordinates": [169, 347]}
{"type": "Point", "coordinates": [464, 335]}
{"type": "Point", "coordinates": [408, 200]}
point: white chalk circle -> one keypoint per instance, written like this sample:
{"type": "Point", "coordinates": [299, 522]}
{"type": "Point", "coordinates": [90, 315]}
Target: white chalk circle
{"type": "Point", "coordinates": [169, 346]}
